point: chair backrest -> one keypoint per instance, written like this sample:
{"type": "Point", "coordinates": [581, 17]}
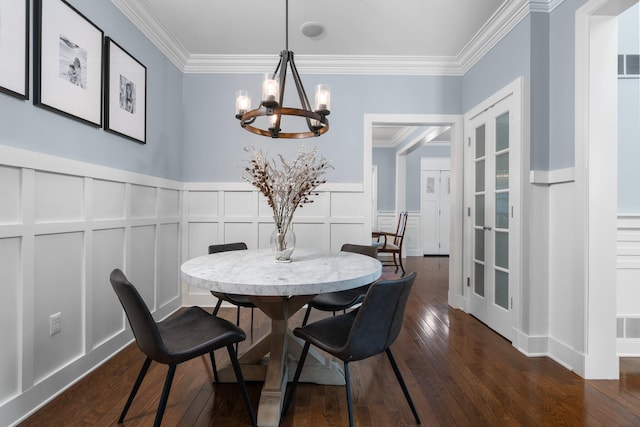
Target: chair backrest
{"type": "Point", "coordinates": [225, 247]}
{"type": "Point", "coordinates": [379, 320]}
{"type": "Point", "coordinates": [370, 250]}
{"type": "Point", "coordinates": [402, 225]}
{"type": "Point", "coordinates": [144, 327]}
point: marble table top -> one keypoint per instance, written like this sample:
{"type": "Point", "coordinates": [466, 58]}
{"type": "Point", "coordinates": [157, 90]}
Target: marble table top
{"type": "Point", "coordinates": [255, 272]}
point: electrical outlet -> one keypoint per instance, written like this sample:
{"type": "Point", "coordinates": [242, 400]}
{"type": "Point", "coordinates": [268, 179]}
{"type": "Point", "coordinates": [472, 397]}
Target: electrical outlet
{"type": "Point", "coordinates": [55, 324]}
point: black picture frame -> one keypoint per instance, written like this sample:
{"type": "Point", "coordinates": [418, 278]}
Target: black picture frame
{"type": "Point", "coordinates": [68, 71]}
{"type": "Point", "coordinates": [125, 93]}
{"type": "Point", "coordinates": [14, 50]}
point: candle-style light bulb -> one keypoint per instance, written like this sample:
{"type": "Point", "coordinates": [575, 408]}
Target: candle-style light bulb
{"type": "Point", "coordinates": [323, 98]}
{"type": "Point", "coordinates": [243, 102]}
{"type": "Point", "coordinates": [270, 91]}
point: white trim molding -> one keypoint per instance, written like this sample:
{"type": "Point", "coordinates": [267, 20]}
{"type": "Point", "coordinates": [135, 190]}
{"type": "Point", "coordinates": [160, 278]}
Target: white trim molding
{"type": "Point", "coordinates": [500, 24]}
{"type": "Point", "coordinates": [556, 176]}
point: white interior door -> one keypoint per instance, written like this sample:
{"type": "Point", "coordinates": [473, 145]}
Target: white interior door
{"type": "Point", "coordinates": [493, 184]}
{"type": "Point", "coordinates": [435, 189]}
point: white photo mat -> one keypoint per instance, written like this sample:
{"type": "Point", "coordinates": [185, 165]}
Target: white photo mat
{"type": "Point", "coordinates": [69, 62]}
{"type": "Point", "coordinates": [126, 97]}
{"type": "Point", "coordinates": [14, 47]}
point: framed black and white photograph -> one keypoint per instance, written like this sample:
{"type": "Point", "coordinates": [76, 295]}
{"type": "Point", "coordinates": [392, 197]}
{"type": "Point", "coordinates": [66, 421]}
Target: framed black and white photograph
{"type": "Point", "coordinates": [125, 93]}
{"type": "Point", "coordinates": [14, 48]}
{"type": "Point", "coordinates": [68, 68]}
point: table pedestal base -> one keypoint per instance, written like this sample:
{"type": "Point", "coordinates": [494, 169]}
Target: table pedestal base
{"type": "Point", "coordinates": [284, 350]}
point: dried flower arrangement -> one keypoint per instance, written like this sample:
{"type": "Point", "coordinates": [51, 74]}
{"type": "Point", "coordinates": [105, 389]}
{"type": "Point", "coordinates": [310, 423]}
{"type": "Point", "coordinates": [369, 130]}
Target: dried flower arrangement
{"type": "Point", "coordinates": [286, 188]}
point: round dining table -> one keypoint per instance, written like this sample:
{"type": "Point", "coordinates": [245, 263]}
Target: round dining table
{"type": "Point", "coordinates": [280, 290]}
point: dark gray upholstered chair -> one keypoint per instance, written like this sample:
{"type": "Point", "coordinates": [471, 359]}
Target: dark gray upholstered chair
{"type": "Point", "coordinates": [237, 300]}
{"type": "Point", "coordinates": [187, 335]}
{"type": "Point", "coordinates": [392, 242]}
{"type": "Point", "coordinates": [336, 301]}
{"type": "Point", "coordinates": [364, 332]}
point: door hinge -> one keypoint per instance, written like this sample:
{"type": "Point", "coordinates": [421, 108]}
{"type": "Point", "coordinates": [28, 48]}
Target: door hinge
{"type": "Point", "coordinates": [468, 211]}
{"type": "Point", "coordinates": [468, 281]}
{"type": "Point", "coordinates": [511, 211]}
{"type": "Point", "coordinates": [512, 303]}
{"type": "Point", "coordinates": [469, 139]}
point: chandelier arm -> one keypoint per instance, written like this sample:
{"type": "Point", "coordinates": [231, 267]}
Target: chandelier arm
{"type": "Point", "coordinates": [301, 92]}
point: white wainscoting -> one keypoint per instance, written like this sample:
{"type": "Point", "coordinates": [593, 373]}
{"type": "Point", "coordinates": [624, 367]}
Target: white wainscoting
{"type": "Point", "coordinates": [64, 226]}
{"type": "Point", "coordinates": [628, 286]}
{"type": "Point", "coordinates": [237, 212]}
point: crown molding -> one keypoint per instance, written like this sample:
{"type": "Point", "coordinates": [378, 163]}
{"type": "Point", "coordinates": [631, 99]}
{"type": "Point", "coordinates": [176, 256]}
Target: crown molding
{"type": "Point", "coordinates": [326, 64]}
{"type": "Point", "coordinates": [501, 23]}
{"type": "Point", "coordinates": [147, 21]}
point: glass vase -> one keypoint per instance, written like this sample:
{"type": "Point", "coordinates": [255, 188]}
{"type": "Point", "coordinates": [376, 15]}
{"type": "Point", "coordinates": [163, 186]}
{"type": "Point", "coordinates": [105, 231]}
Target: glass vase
{"type": "Point", "coordinates": [283, 243]}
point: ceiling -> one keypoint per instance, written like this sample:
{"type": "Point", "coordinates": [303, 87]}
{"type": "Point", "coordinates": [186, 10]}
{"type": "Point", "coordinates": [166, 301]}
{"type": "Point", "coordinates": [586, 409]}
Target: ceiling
{"type": "Point", "coordinates": [354, 27]}
{"type": "Point", "coordinates": [437, 37]}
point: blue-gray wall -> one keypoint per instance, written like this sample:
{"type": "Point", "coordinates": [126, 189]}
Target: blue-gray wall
{"type": "Point", "coordinates": [214, 140]}
{"type": "Point", "coordinates": [192, 135]}
{"type": "Point", "coordinates": [26, 126]}
{"type": "Point", "coordinates": [629, 117]}
{"type": "Point", "coordinates": [385, 159]}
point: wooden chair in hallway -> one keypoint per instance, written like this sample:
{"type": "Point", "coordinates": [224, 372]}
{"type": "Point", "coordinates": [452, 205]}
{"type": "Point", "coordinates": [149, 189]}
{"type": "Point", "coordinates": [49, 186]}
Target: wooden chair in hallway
{"type": "Point", "coordinates": [391, 243]}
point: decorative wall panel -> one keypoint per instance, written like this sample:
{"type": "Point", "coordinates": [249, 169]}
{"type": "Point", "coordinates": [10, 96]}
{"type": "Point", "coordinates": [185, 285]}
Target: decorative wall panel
{"type": "Point", "coordinates": [628, 285]}
{"type": "Point", "coordinates": [58, 198]}
{"type": "Point", "coordinates": [143, 201]}
{"type": "Point", "coordinates": [104, 310]}
{"type": "Point", "coordinates": [108, 200]}
{"type": "Point", "coordinates": [203, 203]}
{"type": "Point", "coordinates": [168, 257]}
{"type": "Point", "coordinates": [9, 195]}
{"type": "Point", "coordinates": [10, 316]}
{"type": "Point", "coordinates": [58, 288]}
{"type": "Point", "coordinates": [141, 266]}
{"type": "Point", "coordinates": [169, 203]}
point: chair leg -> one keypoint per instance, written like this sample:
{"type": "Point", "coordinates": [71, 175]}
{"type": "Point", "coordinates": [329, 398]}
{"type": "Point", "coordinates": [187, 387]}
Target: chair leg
{"type": "Point", "coordinates": [165, 395]}
{"type": "Point", "coordinates": [213, 366]}
{"type": "Point", "coordinates": [347, 383]}
{"type": "Point", "coordinates": [245, 394]}
{"type": "Point", "coordinates": [134, 390]}
{"type": "Point", "coordinates": [237, 322]}
{"type": "Point", "coordinates": [395, 262]}
{"type": "Point", "coordinates": [400, 261]}
{"type": "Point", "coordinates": [296, 377]}
{"type": "Point", "coordinates": [403, 385]}
{"type": "Point", "coordinates": [218, 304]}
{"type": "Point", "coordinates": [306, 315]}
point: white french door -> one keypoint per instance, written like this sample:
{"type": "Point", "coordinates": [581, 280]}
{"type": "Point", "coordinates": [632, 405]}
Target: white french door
{"type": "Point", "coordinates": [493, 191]}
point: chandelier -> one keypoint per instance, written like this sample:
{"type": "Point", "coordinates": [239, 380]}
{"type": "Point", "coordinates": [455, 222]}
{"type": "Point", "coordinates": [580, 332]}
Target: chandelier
{"type": "Point", "coordinates": [271, 102]}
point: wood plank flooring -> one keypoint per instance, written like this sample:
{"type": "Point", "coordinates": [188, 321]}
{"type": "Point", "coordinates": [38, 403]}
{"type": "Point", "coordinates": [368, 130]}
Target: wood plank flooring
{"type": "Point", "coordinates": [459, 372]}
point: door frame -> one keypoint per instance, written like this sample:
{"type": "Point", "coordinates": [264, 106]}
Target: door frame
{"type": "Point", "coordinates": [456, 284]}
{"type": "Point", "coordinates": [596, 187]}
{"type": "Point", "coordinates": [519, 90]}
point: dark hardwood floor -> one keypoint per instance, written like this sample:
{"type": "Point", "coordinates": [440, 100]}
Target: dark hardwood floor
{"type": "Point", "coordinates": [459, 372]}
